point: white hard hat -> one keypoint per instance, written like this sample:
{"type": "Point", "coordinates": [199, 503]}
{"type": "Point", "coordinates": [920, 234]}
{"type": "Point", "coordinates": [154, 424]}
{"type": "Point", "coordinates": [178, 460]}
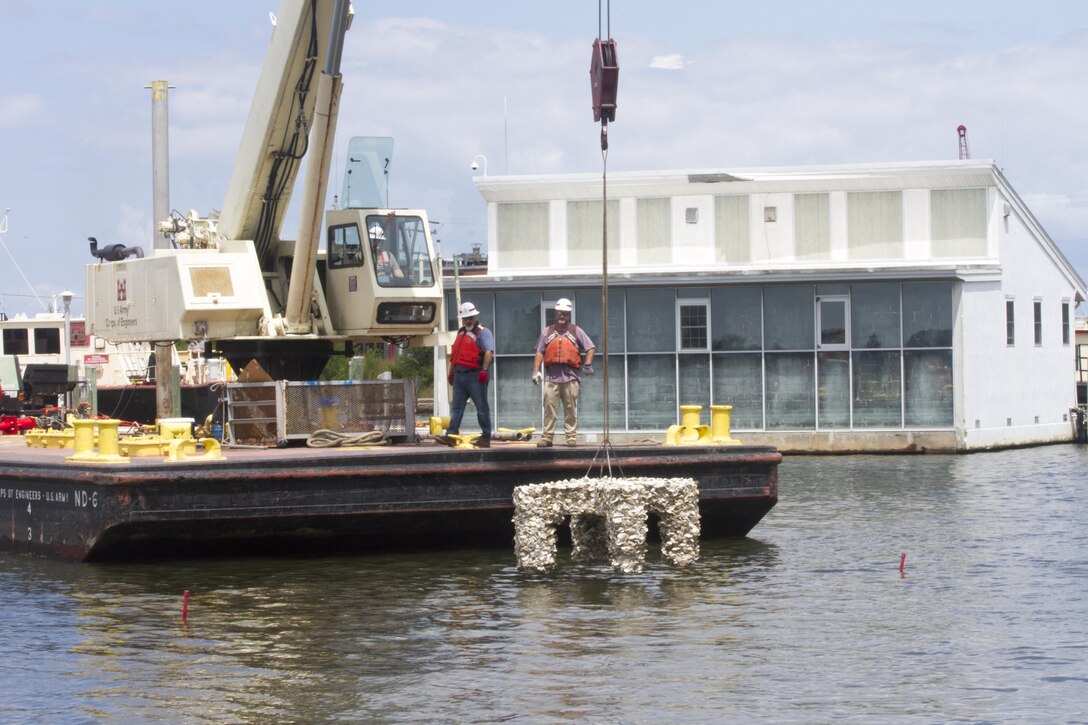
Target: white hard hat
{"type": "Point", "coordinates": [376, 232]}
{"type": "Point", "coordinates": [468, 310]}
{"type": "Point", "coordinates": [563, 305]}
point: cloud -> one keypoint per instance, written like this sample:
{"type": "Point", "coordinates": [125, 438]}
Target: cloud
{"type": "Point", "coordinates": [674, 61]}
{"type": "Point", "coordinates": [21, 110]}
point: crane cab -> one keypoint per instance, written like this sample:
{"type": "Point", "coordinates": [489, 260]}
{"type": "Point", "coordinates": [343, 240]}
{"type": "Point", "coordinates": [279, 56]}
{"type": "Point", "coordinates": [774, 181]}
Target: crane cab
{"type": "Point", "coordinates": [381, 277]}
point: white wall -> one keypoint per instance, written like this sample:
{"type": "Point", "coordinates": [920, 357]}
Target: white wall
{"type": "Point", "coordinates": [1005, 389]}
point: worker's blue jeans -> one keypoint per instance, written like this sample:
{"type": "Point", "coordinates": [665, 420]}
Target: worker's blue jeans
{"type": "Point", "coordinates": [467, 386]}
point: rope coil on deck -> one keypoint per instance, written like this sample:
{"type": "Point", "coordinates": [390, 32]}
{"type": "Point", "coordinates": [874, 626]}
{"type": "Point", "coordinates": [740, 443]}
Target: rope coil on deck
{"type": "Point", "coordinates": [325, 438]}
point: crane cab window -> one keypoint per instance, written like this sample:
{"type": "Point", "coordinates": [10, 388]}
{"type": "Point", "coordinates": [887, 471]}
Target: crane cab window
{"type": "Point", "coordinates": [345, 247]}
{"type": "Point", "coordinates": [402, 256]}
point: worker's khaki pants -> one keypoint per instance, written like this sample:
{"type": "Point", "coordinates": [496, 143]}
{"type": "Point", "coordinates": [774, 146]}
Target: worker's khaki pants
{"type": "Point", "coordinates": [568, 394]}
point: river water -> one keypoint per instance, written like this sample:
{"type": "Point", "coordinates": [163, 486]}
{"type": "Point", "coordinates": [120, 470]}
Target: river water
{"type": "Point", "coordinates": [806, 621]}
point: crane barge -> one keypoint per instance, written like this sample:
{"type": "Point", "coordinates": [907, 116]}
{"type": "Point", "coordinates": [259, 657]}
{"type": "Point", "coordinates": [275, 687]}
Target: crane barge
{"type": "Point", "coordinates": [229, 280]}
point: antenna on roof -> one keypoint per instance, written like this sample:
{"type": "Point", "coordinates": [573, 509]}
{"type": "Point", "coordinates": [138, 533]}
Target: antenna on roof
{"type": "Point", "coordinates": [962, 131]}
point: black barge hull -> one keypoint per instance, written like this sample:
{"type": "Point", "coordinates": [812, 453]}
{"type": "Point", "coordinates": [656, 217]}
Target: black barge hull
{"type": "Point", "coordinates": [299, 501]}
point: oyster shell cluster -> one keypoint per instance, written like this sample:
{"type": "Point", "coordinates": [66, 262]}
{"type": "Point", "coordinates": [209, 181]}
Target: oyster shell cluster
{"type": "Point", "coordinates": [608, 521]}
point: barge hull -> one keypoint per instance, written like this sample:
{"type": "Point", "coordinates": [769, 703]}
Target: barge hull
{"type": "Point", "coordinates": [302, 501]}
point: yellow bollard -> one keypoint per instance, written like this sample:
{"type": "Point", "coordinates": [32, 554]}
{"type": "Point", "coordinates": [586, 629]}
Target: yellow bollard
{"type": "Point", "coordinates": [689, 415]}
{"type": "Point", "coordinates": [720, 426]}
{"type": "Point", "coordinates": [437, 424]}
{"type": "Point", "coordinates": [109, 438]}
{"type": "Point", "coordinates": [170, 428]}
{"type": "Point", "coordinates": [84, 442]}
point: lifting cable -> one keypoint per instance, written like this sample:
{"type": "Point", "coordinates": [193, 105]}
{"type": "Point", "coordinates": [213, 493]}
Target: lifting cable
{"type": "Point", "coordinates": [603, 77]}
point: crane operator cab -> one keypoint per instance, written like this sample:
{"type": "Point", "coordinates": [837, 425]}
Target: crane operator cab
{"type": "Point", "coordinates": [380, 278]}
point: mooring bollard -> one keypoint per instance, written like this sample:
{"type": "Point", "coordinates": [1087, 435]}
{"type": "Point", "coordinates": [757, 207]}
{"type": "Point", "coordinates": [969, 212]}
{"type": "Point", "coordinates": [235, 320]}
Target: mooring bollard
{"type": "Point", "coordinates": [608, 519]}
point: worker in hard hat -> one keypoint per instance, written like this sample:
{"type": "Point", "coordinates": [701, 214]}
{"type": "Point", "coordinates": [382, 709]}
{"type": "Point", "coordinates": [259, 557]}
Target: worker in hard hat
{"type": "Point", "coordinates": [385, 264]}
{"type": "Point", "coordinates": [470, 359]}
{"type": "Point", "coordinates": [560, 349]}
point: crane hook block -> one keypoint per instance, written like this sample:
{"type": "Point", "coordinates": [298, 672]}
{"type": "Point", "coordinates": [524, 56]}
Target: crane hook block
{"type": "Point", "coordinates": [604, 76]}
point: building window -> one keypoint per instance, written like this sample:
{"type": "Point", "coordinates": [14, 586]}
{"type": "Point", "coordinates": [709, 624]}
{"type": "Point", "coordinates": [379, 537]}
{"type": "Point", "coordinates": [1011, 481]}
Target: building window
{"type": "Point", "coordinates": [1065, 323]}
{"type": "Point", "coordinates": [585, 225]}
{"type": "Point", "coordinates": [1038, 315]}
{"type": "Point", "coordinates": [46, 341]}
{"type": "Point", "coordinates": [874, 224]}
{"type": "Point", "coordinates": [1010, 323]}
{"type": "Point", "coordinates": [692, 323]}
{"type": "Point", "coordinates": [731, 229]}
{"type": "Point", "coordinates": [832, 318]}
{"type": "Point", "coordinates": [16, 341]}
{"type": "Point", "coordinates": [811, 226]}
{"type": "Point", "coordinates": [653, 218]}
{"type": "Point", "coordinates": [523, 233]}
{"type": "Point", "coordinates": [957, 220]}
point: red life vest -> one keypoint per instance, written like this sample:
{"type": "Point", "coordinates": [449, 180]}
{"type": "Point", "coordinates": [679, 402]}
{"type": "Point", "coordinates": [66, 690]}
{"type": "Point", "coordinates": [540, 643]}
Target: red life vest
{"type": "Point", "coordinates": [562, 348]}
{"type": "Point", "coordinates": [466, 351]}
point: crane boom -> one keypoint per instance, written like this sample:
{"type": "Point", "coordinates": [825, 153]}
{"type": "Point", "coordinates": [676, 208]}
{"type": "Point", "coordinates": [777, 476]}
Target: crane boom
{"type": "Point", "coordinates": [277, 130]}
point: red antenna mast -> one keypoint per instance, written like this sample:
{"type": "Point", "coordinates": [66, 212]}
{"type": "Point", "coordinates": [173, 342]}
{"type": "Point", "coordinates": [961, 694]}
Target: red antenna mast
{"type": "Point", "coordinates": [962, 131]}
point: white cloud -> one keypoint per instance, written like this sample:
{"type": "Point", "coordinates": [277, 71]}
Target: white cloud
{"type": "Point", "coordinates": [674, 61]}
{"type": "Point", "coordinates": [21, 110]}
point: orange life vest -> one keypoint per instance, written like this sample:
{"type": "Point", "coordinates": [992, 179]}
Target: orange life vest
{"type": "Point", "coordinates": [466, 351]}
{"type": "Point", "coordinates": [562, 348]}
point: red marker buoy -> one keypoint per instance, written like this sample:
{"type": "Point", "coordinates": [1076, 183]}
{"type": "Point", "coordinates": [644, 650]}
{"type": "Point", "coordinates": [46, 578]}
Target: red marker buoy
{"type": "Point", "coordinates": [185, 605]}
{"type": "Point", "coordinates": [902, 560]}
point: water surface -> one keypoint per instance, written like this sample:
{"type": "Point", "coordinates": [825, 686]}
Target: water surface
{"type": "Point", "coordinates": [807, 620]}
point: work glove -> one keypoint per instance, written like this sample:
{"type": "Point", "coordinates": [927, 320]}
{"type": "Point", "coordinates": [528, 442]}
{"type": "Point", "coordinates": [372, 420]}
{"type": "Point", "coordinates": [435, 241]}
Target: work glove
{"type": "Point", "coordinates": [536, 377]}
{"type": "Point", "coordinates": [587, 369]}
{"type": "Point", "coordinates": [482, 377]}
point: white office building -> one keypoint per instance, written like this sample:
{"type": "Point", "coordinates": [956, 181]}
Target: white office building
{"type": "Point", "coordinates": [842, 308]}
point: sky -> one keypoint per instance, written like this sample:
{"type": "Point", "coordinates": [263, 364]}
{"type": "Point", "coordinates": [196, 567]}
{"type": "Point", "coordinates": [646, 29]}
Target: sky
{"type": "Point", "coordinates": [703, 84]}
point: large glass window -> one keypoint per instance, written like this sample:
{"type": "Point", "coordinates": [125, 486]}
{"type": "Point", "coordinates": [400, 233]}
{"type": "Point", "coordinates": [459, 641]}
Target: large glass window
{"type": "Point", "coordinates": [651, 391]}
{"type": "Point", "coordinates": [927, 314]}
{"type": "Point", "coordinates": [695, 382]}
{"type": "Point", "coordinates": [874, 315]}
{"type": "Point", "coordinates": [862, 356]}
{"type": "Point", "coordinates": [591, 396]}
{"type": "Point", "coordinates": [517, 322]}
{"type": "Point", "coordinates": [738, 381]}
{"type": "Point", "coordinates": [928, 387]}
{"type": "Point", "coordinates": [877, 386]}
{"type": "Point", "coordinates": [788, 317]}
{"type": "Point", "coordinates": [651, 321]}
{"type": "Point", "coordinates": [587, 307]}
{"type": "Point", "coordinates": [519, 401]}
{"type": "Point", "coordinates": [791, 385]}
{"type": "Point", "coordinates": [833, 389]}
{"type": "Point", "coordinates": [737, 318]}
